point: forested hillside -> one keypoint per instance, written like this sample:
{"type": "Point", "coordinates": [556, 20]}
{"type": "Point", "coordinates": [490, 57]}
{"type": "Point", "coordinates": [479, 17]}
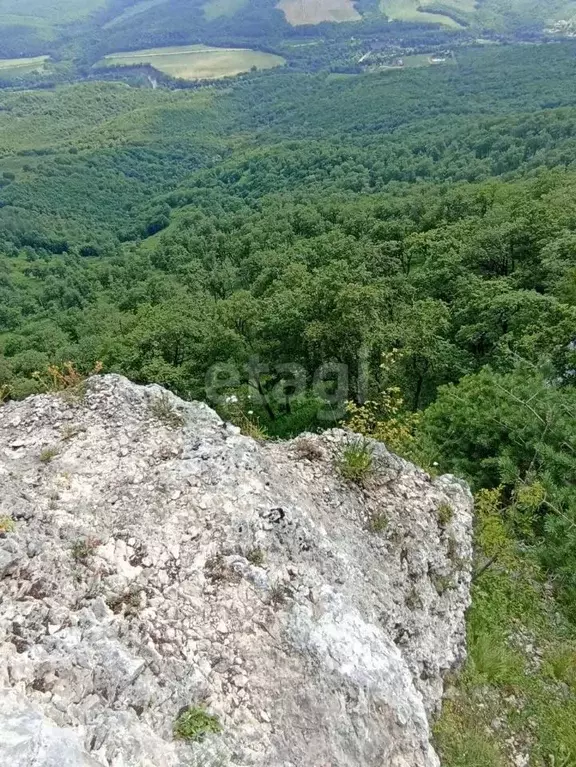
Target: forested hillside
{"type": "Point", "coordinates": [417, 227]}
{"type": "Point", "coordinates": [85, 29]}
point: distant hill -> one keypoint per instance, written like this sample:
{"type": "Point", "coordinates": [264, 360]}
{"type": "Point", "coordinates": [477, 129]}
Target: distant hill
{"type": "Point", "coordinates": [92, 28]}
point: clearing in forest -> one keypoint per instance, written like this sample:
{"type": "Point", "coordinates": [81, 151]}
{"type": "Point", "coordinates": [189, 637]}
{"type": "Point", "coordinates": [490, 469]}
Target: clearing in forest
{"type": "Point", "coordinates": [196, 62]}
{"type": "Point", "coordinates": [300, 12]}
{"type": "Point", "coordinates": [22, 66]}
{"type": "Point", "coordinates": [415, 11]}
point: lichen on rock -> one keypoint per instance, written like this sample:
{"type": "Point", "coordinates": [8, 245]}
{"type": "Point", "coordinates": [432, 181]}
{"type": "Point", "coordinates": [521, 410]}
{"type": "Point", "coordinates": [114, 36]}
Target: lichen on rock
{"type": "Point", "coordinates": [130, 591]}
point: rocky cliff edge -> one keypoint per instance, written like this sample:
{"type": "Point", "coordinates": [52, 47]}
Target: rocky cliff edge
{"type": "Point", "coordinates": [154, 560]}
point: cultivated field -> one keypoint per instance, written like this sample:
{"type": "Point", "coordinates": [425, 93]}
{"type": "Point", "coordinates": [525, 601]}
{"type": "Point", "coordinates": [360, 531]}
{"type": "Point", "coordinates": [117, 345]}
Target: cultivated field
{"type": "Point", "coordinates": [300, 12]}
{"type": "Point", "coordinates": [196, 62]}
{"type": "Point", "coordinates": [22, 66]}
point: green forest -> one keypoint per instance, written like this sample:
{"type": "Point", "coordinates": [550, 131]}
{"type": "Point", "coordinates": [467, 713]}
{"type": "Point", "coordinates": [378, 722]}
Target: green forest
{"type": "Point", "coordinates": [413, 231]}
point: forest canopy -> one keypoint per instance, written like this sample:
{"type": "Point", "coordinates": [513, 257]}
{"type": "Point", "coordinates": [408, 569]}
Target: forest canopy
{"type": "Point", "coordinates": [293, 245]}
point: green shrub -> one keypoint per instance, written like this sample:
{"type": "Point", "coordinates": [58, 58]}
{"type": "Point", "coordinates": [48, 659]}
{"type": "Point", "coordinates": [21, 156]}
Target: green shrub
{"type": "Point", "coordinates": [378, 522]}
{"type": "Point", "coordinates": [83, 548]}
{"type": "Point", "coordinates": [49, 453]}
{"type": "Point", "coordinates": [7, 525]}
{"type": "Point", "coordinates": [356, 461]}
{"type": "Point", "coordinates": [255, 556]}
{"type": "Point", "coordinates": [445, 514]}
{"type": "Point", "coordinates": [195, 723]}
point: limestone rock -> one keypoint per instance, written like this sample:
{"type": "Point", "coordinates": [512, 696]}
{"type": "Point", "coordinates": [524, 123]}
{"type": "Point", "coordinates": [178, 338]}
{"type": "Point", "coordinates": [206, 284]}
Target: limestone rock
{"type": "Point", "coordinates": [161, 562]}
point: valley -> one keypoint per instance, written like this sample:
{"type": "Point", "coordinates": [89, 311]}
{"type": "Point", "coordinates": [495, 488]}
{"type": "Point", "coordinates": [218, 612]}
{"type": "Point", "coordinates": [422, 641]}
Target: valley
{"type": "Point", "coordinates": [373, 228]}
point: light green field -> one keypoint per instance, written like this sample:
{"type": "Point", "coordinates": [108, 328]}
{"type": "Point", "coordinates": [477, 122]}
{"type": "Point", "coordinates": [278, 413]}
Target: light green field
{"type": "Point", "coordinates": [196, 62]}
{"type": "Point", "coordinates": [425, 60]}
{"type": "Point", "coordinates": [497, 15]}
{"type": "Point", "coordinates": [134, 10]}
{"type": "Point", "coordinates": [214, 9]}
{"type": "Point", "coordinates": [408, 10]}
{"type": "Point", "coordinates": [22, 66]}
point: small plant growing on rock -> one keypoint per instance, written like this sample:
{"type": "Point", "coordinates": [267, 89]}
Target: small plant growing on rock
{"type": "Point", "coordinates": [442, 583]}
{"type": "Point", "coordinates": [69, 431]}
{"type": "Point", "coordinates": [83, 548]}
{"type": "Point", "coordinates": [378, 522]}
{"type": "Point", "coordinates": [162, 409]}
{"type": "Point", "coordinates": [278, 595]}
{"type": "Point", "coordinates": [194, 723]}
{"type": "Point", "coordinates": [7, 525]}
{"type": "Point", "coordinates": [128, 604]}
{"type": "Point", "coordinates": [255, 556]}
{"type": "Point", "coordinates": [49, 453]}
{"type": "Point", "coordinates": [66, 379]}
{"type": "Point", "coordinates": [308, 450]}
{"type": "Point", "coordinates": [445, 514]}
{"type": "Point", "coordinates": [453, 554]}
{"type": "Point", "coordinates": [218, 571]}
{"type": "Point", "coordinates": [413, 600]}
{"type": "Point", "coordinates": [356, 461]}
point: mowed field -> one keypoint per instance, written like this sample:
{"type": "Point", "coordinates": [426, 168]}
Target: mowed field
{"type": "Point", "coordinates": [196, 62]}
{"type": "Point", "coordinates": [300, 12]}
{"type": "Point", "coordinates": [22, 66]}
{"type": "Point", "coordinates": [409, 10]}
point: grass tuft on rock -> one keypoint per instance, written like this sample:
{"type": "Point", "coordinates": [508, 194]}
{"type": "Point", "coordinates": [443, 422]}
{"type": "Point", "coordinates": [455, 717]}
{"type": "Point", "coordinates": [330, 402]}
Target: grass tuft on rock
{"type": "Point", "coordinates": [356, 461]}
{"type": "Point", "coordinates": [194, 723]}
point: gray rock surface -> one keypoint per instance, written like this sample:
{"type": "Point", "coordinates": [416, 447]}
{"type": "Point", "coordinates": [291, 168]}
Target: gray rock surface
{"type": "Point", "coordinates": [155, 566]}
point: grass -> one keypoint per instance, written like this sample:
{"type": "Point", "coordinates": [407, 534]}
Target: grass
{"type": "Point", "coordinates": [194, 723]}
{"type": "Point", "coordinates": [162, 409]}
{"type": "Point", "coordinates": [7, 524]}
{"type": "Point", "coordinates": [83, 548]}
{"type": "Point", "coordinates": [378, 522]}
{"type": "Point", "coordinates": [445, 514]}
{"type": "Point", "coordinates": [298, 12]}
{"type": "Point", "coordinates": [49, 453]}
{"type": "Point", "coordinates": [516, 696]}
{"type": "Point", "coordinates": [22, 66]}
{"type": "Point", "coordinates": [355, 462]}
{"type": "Point", "coordinates": [409, 10]}
{"type": "Point", "coordinates": [497, 15]}
{"type": "Point", "coordinates": [196, 62]}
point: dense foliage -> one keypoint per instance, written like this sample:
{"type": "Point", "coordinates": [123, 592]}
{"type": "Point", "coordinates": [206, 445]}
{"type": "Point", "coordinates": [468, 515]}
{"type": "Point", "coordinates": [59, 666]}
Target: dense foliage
{"type": "Point", "coordinates": [269, 244]}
